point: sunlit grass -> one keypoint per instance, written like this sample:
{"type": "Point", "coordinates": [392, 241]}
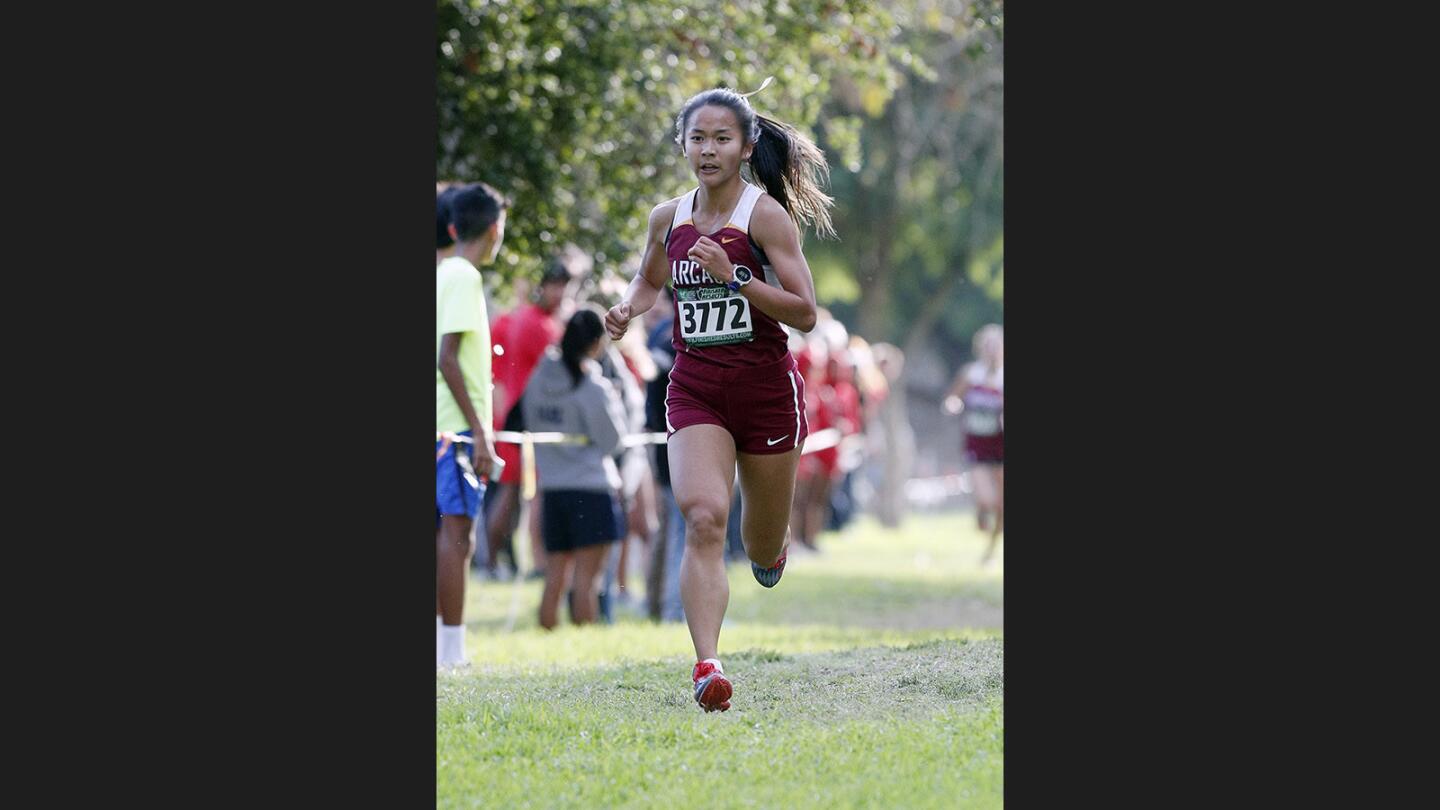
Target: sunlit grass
{"type": "Point", "coordinates": [869, 585]}
{"type": "Point", "coordinates": [870, 676]}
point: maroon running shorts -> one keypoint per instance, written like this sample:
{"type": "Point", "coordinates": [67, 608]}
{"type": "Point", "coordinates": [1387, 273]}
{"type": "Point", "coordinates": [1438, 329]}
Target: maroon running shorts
{"type": "Point", "coordinates": [763, 407]}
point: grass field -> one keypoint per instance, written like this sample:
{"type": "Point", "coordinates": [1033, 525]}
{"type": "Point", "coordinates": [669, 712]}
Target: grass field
{"type": "Point", "coordinates": [871, 676]}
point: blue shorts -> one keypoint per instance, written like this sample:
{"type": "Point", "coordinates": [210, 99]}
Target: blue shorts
{"type": "Point", "coordinates": [573, 518]}
{"type": "Point", "coordinates": [457, 489]}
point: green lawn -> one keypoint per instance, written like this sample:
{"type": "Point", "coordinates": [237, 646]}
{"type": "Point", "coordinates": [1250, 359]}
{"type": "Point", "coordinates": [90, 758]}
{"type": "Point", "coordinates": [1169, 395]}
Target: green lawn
{"type": "Point", "coordinates": [869, 677]}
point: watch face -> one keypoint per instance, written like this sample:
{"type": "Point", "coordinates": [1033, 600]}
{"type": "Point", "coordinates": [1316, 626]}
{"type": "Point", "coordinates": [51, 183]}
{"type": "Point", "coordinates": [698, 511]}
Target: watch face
{"type": "Point", "coordinates": [742, 274]}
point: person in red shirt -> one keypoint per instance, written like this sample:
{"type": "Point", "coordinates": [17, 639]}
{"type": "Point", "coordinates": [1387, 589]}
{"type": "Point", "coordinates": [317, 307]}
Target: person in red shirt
{"type": "Point", "coordinates": [520, 338]}
{"type": "Point", "coordinates": [841, 373]}
{"type": "Point", "coordinates": [817, 470]}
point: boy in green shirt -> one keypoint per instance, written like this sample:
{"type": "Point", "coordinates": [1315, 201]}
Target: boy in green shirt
{"type": "Point", "coordinates": [462, 402]}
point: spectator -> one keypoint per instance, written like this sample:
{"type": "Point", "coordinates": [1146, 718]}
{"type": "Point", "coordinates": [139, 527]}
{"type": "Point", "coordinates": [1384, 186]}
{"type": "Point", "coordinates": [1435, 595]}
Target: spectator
{"type": "Point", "coordinates": [462, 403]}
{"type": "Point", "coordinates": [663, 583]}
{"type": "Point", "coordinates": [581, 516]}
{"type": "Point", "coordinates": [521, 337]}
{"type": "Point", "coordinates": [628, 365]}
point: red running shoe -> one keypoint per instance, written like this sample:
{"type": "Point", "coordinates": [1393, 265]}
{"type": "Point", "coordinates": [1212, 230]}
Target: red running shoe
{"type": "Point", "coordinates": [712, 688]}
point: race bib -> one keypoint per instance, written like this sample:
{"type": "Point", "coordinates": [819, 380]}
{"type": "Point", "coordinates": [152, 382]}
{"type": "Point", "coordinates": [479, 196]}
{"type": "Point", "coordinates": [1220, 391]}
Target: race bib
{"type": "Point", "coordinates": [982, 423]}
{"type": "Point", "coordinates": [712, 316]}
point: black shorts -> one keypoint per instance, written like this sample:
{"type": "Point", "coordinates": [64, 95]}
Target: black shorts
{"type": "Point", "coordinates": [571, 519]}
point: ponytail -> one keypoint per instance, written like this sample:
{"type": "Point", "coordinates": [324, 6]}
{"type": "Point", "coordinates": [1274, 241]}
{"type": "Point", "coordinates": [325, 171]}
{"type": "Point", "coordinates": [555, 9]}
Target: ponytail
{"type": "Point", "coordinates": [584, 328]}
{"type": "Point", "coordinates": [793, 170]}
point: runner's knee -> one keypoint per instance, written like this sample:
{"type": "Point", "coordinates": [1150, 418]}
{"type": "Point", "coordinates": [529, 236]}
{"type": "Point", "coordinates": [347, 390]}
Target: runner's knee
{"type": "Point", "coordinates": [705, 521]}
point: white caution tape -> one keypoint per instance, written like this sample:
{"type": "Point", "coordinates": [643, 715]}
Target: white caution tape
{"type": "Point", "coordinates": [815, 442]}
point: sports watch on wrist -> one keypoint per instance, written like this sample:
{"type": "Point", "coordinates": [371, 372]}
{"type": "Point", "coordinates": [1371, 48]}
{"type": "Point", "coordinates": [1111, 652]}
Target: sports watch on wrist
{"type": "Point", "coordinates": [742, 277]}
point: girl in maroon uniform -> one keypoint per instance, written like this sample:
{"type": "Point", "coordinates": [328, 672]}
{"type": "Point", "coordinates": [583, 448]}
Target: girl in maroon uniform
{"type": "Point", "coordinates": [980, 389]}
{"type": "Point", "coordinates": [731, 253]}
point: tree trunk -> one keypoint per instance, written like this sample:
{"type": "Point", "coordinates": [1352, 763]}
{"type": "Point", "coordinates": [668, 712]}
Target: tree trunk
{"type": "Point", "coordinates": [899, 453]}
{"type": "Point", "coordinates": [876, 295]}
{"type": "Point", "coordinates": [924, 323]}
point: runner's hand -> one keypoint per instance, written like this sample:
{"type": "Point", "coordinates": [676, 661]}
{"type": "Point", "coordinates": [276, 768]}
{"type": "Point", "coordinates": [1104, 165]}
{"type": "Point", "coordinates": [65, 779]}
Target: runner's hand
{"type": "Point", "coordinates": [713, 258]}
{"type": "Point", "coordinates": [617, 320]}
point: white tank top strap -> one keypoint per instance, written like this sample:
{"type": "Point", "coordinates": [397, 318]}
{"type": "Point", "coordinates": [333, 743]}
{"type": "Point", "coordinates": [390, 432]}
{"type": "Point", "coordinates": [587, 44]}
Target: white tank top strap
{"type": "Point", "coordinates": [685, 211]}
{"type": "Point", "coordinates": [746, 206]}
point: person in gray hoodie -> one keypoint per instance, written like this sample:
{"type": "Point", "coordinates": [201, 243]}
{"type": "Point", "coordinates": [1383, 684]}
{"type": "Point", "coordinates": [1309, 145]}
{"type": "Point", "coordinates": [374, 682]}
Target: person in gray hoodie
{"type": "Point", "coordinates": [580, 516]}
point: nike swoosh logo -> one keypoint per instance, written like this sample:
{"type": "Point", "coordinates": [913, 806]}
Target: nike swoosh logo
{"type": "Point", "coordinates": [773, 442]}
{"type": "Point", "coordinates": [728, 241]}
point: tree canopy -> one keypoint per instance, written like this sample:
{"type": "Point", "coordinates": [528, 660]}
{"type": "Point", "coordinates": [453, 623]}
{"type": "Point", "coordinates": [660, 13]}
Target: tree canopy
{"type": "Point", "coordinates": [570, 109]}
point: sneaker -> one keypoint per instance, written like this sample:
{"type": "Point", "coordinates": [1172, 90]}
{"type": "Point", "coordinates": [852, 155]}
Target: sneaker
{"type": "Point", "coordinates": [770, 576]}
{"type": "Point", "coordinates": [712, 688]}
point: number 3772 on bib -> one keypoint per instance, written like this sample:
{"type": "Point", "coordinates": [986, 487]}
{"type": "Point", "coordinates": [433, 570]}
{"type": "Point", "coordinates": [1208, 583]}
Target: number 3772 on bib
{"type": "Point", "coordinates": [711, 316]}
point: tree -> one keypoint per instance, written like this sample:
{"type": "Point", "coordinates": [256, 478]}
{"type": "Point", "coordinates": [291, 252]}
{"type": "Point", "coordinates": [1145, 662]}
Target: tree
{"type": "Point", "coordinates": [919, 206]}
{"type": "Point", "coordinates": [569, 107]}
{"type": "Point", "coordinates": [922, 198]}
